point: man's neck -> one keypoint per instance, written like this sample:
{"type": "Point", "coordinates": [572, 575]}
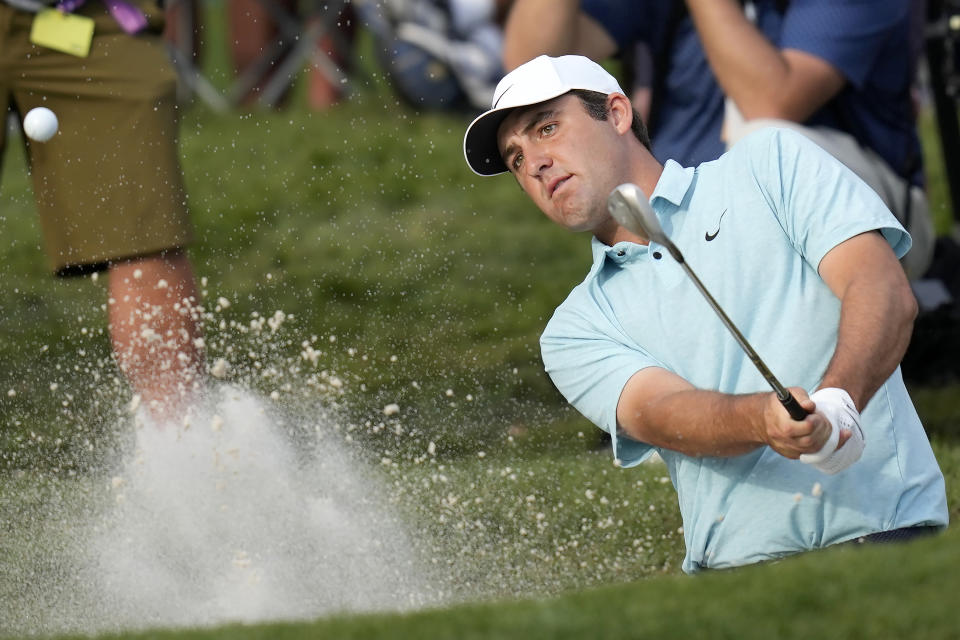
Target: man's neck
{"type": "Point", "coordinates": [645, 173]}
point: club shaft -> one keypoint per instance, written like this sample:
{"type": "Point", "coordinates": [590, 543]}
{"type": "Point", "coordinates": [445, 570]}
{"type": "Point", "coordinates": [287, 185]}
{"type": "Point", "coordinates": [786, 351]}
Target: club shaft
{"type": "Point", "coordinates": [786, 398]}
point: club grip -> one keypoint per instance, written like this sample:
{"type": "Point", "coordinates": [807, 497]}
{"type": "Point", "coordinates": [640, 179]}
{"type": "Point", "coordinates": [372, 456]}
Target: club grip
{"type": "Point", "coordinates": [793, 407]}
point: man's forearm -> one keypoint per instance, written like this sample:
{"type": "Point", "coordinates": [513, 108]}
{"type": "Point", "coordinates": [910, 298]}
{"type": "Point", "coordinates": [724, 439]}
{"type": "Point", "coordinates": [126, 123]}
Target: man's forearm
{"type": "Point", "coordinates": [662, 409]}
{"type": "Point", "coordinates": [762, 80]}
{"type": "Point", "coordinates": [702, 423]}
{"type": "Point", "coordinates": [876, 320]}
{"type": "Point", "coordinates": [554, 28]}
{"type": "Point", "coordinates": [536, 27]}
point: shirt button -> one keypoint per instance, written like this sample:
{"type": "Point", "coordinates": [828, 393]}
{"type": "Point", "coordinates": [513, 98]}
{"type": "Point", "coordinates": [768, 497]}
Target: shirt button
{"type": "Point", "coordinates": [657, 255]}
{"type": "Point", "coordinates": [621, 253]}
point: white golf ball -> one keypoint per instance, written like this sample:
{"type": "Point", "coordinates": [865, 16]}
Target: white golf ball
{"type": "Point", "coordinates": [40, 124]}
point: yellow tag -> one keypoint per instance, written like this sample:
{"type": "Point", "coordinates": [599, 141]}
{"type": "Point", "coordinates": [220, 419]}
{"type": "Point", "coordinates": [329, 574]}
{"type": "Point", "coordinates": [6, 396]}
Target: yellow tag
{"type": "Point", "coordinates": [64, 32]}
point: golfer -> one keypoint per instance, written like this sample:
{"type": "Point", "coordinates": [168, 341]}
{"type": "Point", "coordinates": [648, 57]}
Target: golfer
{"type": "Point", "coordinates": [801, 255]}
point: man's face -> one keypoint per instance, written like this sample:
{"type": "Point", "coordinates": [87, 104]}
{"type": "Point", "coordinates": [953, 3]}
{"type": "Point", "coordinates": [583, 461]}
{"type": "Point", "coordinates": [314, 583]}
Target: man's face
{"type": "Point", "coordinates": [565, 160]}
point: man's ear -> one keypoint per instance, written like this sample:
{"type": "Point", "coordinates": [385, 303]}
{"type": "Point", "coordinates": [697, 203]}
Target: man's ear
{"type": "Point", "coordinates": [621, 112]}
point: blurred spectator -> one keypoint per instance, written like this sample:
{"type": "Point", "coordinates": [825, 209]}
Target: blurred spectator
{"type": "Point", "coordinates": [844, 70]}
{"type": "Point", "coordinates": [108, 186]}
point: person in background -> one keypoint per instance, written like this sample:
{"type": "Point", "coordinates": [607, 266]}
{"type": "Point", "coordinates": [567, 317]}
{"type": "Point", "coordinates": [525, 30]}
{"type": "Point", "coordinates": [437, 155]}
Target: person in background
{"type": "Point", "coordinates": [108, 185]}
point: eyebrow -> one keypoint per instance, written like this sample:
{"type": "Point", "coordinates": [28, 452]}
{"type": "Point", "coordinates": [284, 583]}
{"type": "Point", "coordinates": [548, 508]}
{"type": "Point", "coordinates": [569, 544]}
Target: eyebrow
{"type": "Point", "coordinates": [535, 120]}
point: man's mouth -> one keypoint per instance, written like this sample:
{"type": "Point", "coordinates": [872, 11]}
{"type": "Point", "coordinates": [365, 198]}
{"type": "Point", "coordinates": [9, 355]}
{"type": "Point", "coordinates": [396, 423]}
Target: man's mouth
{"type": "Point", "coordinates": [555, 184]}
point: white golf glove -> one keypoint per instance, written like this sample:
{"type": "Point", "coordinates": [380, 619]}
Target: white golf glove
{"type": "Point", "coordinates": [838, 408]}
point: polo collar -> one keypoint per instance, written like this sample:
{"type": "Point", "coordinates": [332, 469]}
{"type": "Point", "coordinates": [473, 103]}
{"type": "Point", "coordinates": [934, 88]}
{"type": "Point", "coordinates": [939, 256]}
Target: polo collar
{"type": "Point", "coordinates": [667, 197]}
{"type": "Point", "coordinates": [619, 252]}
{"type": "Point", "coordinates": [673, 184]}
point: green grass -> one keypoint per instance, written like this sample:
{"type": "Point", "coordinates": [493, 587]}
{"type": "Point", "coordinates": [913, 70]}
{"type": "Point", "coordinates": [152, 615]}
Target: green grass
{"type": "Point", "coordinates": [849, 594]}
{"type": "Point", "coordinates": [363, 223]}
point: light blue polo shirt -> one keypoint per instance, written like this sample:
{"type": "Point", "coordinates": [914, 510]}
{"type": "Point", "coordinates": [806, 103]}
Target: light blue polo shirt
{"type": "Point", "coordinates": [753, 224]}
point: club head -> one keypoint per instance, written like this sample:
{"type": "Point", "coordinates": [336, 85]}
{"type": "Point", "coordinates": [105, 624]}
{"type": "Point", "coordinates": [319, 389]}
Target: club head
{"type": "Point", "coordinates": [630, 207]}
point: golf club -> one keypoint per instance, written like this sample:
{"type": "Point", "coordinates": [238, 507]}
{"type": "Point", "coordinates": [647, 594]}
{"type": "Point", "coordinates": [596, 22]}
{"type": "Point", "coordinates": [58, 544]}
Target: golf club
{"type": "Point", "coordinates": [630, 207]}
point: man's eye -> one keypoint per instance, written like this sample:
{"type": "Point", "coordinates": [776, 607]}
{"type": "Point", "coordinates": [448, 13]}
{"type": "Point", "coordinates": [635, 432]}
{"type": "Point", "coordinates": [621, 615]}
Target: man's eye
{"type": "Point", "coordinates": [548, 129]}
{"type": "Point", "coordinates": [517, 161]}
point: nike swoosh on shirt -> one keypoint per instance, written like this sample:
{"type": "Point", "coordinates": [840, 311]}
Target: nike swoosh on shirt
{"type": "Point", "coordinates": [710, 236]}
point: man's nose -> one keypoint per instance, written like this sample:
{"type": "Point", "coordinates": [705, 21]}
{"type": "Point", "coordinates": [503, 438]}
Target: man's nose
{"type": "Point", "coordinates": [538, 160]}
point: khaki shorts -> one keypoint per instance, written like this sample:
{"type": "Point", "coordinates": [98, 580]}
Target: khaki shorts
{"type": "Point", "coordinates": [108, 186]}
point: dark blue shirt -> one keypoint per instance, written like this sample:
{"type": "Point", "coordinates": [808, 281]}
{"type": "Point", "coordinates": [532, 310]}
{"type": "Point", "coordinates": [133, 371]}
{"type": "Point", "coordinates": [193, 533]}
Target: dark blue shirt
{"type": "Point", "coordinates": [868, 41]}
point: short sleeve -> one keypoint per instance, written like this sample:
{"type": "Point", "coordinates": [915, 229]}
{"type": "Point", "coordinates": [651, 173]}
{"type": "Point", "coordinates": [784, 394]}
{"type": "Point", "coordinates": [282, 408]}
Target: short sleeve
{"type": "Point", "coordinates": [590, 362]}
{"type": "Point", "coordinates": [818, 201]}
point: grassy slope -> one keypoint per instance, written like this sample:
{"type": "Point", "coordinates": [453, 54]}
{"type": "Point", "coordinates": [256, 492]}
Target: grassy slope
{"type": "Point", "coordinates": [845, 593]}
{"type": "Point", "coordinates": [371, 229]}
